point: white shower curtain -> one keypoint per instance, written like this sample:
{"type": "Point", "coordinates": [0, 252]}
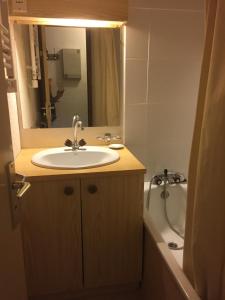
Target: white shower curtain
{"type": "Point", "coordinates": [204, 249]}
{"type": "Point", "coordinates": [105, 81]}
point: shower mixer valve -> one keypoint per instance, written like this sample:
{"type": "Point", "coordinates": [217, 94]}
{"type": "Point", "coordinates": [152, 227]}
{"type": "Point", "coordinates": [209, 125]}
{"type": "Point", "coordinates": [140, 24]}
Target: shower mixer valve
{"type": "Point", "coordinates": [168, 177]}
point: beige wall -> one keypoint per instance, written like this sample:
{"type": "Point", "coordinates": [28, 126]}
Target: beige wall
{"type": "Point", "coordinates": [14, 124]}
{"type": "Point", "coordinates": [55, 137]}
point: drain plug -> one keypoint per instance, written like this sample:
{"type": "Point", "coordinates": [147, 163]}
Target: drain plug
{"type": "Point", "coordinates": [172, 245]}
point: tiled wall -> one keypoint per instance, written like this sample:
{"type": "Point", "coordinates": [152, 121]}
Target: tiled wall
{"type": "Point", "coordinates": [164, 44]}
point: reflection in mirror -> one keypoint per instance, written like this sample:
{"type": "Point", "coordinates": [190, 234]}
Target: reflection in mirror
{"type": "Point", "coordinates": [63, 71]}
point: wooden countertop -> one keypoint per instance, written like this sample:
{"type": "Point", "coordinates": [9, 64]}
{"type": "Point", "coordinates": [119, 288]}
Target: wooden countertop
{"type": "Point", "coordinates": [127, 163]}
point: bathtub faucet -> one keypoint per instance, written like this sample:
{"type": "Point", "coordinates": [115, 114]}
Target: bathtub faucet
{"type": "Point", "coordinates": [168, 177]}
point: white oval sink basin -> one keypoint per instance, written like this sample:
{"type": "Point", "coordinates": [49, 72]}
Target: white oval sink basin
{"type": "Point", "coordinates": [65, 158]}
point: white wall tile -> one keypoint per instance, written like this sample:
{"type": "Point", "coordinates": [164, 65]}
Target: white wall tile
{"type": "Point", "coordinates": [141, 152]}
{"type": "Point", "coordinates": [171, 156]}
{"type": "Point", "coordinates": [137, 37]}
{"type": "Point", "coordinates": [175, 34]}
{"type": "Point", "coordinates": [136, 81]}
{"type": "Point", "coordinates": [136, 130]}
{"type": "Point", "coordinates": [172, 80]}
{"type": "Point", "coordinates": [160, 131]}
{"type": "Point", "coordinates": [136, 124]}
{"type": "Point", "coordinates": [170, 123]}
{"type": "Point", "coordinates": [168, 4]}
{"type": "Point", "coordinates": [137, 43]}
{"type": "Point", "coordinates": [175, 55]}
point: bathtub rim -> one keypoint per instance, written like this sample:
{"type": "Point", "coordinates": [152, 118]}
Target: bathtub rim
{"type": "Point", "coordinates": [183, 282]}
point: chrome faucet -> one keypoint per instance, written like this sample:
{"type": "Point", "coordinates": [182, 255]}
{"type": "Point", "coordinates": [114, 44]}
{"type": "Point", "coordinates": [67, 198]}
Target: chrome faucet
{"type": "Point", "coordinates": [168, 177]}
{"type": "Point", "coordinates": [76, 123]}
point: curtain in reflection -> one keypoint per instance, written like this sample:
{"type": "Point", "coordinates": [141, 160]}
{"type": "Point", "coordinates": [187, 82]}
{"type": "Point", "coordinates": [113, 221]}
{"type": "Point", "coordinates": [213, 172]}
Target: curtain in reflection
{"type": "Point", "coordinates": [105, 81]}
{"type": "Point", "coordinates": [204, 249]}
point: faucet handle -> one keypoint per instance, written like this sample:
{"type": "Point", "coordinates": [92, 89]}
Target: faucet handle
{"type": "Point", "coordinates": [68, 143]}
{"type": "Point", "coordinates": [82, 143]}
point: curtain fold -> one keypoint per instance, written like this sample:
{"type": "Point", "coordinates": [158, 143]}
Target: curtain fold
{"type": "Point", "coordinates": [105, 81]}
{"type": "Point", "coordinates": [204, 248]}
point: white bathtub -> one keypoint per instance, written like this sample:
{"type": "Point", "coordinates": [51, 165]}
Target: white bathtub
{"type": "Point", "coordinates": [157, 227]}
{"type": "Point", "coordinates": [176, 208]}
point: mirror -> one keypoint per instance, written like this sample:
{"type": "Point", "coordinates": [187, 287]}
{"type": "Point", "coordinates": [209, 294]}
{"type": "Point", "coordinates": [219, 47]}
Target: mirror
{"type": "Point", "coordinates": [63, 71]}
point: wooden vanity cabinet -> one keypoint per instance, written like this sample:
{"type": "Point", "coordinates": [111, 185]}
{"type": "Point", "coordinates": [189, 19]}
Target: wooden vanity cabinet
{"type": "Point", "coordinates": [51, 228]}
{"type": "Point", "coordinates": [83, 233]}
{"type": "Point", "coordinates": [112, 230]}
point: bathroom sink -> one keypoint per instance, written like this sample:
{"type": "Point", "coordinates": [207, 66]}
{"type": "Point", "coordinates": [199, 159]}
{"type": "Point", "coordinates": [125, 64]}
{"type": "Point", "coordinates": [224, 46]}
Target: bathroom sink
{"type": "Point", "coordinates": [65, 158]}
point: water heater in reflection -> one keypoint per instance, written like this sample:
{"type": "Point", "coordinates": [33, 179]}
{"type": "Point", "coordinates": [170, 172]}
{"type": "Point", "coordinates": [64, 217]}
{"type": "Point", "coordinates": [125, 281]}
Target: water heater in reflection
{"type": "Point", "coordinates": [71, 63]}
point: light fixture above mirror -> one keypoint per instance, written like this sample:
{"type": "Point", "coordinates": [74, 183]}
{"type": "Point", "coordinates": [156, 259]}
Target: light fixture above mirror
{"type": "Point", "coordinates": [88, 23]}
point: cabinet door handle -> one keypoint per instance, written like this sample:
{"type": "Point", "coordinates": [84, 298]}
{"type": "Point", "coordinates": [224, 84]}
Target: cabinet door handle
{"type": "Point", "coordinates": [68, 190]}
{"type": "Point", "coordinates": [92, 189]}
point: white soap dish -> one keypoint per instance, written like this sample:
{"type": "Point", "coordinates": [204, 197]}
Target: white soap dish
{"type": "Point", "coordinates": [116, 146]}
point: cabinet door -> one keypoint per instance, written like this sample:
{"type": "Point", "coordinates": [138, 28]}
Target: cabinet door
{"type": "Point", "coordinates": [112, 229]}
{"type": "Point", "coordinates": [51, 229]}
